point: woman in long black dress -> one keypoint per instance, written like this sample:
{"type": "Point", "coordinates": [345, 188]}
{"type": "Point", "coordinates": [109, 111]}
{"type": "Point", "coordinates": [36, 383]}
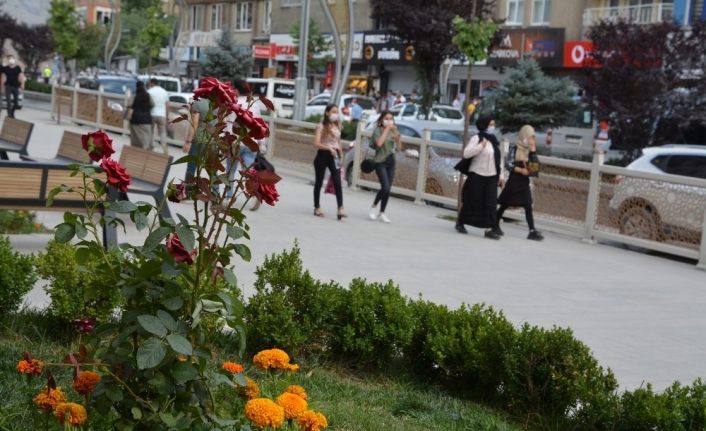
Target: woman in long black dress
{"type": "Point", "coordinates": [480, 191]}
{"type": "Point", "coordinates": [517, 192]}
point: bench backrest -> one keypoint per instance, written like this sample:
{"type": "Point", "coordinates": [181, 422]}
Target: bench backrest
{"type": "Point", "coordinates": [71, 147]}
{"type": "Point", "coordinates": [145, 165]}
{"type": "Point", "coordinates": [16, 131]}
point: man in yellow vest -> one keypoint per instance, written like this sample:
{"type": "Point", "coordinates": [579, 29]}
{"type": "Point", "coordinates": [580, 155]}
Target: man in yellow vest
{"type": "Point", "coordinates": [46, 73]}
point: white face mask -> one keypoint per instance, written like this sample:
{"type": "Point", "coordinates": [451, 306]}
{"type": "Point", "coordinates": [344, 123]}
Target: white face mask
{"type": "Point", "coordinates": [491, 129]}
{"type": "Point", "coordinates": [11, 61]}
{"type": "Point", "coordinates": [333, 117]}
{"type": "Point", "coordinates": [387, 123]}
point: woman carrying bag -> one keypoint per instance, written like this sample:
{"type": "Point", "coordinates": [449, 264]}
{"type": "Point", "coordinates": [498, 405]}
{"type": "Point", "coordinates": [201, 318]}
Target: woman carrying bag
{"type": "Point", "coordinates": [328, 143]}
{"type": "Point", "coordinates": [480, 191]}
{"type": "Point", "coordinates": [522, 163]}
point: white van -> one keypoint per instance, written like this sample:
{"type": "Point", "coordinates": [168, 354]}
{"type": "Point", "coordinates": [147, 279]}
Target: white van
{"type": "Point", "coordinates": [279, 90]}
{"type": "Point", "coordinates": [169, 83]}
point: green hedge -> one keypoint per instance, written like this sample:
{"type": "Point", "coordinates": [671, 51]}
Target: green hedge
{"type": "Point", "coordinates": [17, 276]}
{"type": "Point", "coordinates": [38, 86]}
{"type": "Point", "coordinates": [545, 378]}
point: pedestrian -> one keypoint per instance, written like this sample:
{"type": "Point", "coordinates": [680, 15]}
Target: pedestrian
{"type": "Point", "coordinates": [385, 140]}
{"type": "Point", "coordinates": [140, 118]}
{"type": "Point", "coordinates": [46, 74]}
{"type": "Point", "coordinates": [457, 101]}
{"type": "Point", "coordinates": [14, 80]}
{"type": "Point", "coordinates": [390, 99]}
{"type": "Point", "coordinates": [328, 156]}
{"type": "Point", "coordinates": [356, 111]}
{"type": "Point", "coordinates": [382, 104]}
{"type": "Point", "coordinates": [414, 97]}
{"type": "Point", "coordinates": [479, 199]}
{"type": "Point", "coordinates": [160, 98]}
{"type": "Point", "coordinates": [517, 192]}
{"type": "Point", "coordinates": [400, 98]}
{"type": "Point", "coordinates": [192, 144]}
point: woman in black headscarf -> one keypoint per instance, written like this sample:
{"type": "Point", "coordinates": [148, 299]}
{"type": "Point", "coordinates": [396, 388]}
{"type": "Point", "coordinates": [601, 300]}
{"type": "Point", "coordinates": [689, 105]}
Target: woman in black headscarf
{"type": "Point", "coordinates": [480, 191]}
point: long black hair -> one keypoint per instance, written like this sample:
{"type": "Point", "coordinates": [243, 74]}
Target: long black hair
{"type": "Point", "coordinates": [142, 98]}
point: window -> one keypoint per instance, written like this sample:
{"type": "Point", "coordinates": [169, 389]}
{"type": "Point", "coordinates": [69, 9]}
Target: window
{"type": "Point", "coordinates": [267, 16]}
{"type": "Point", "coordinates": [195, 17]}
{"type": "Point", "coordinates": [283, 91]}
{"type": "Point", "coordinates": [515, 11]}
{"type": "Point", "coordinates": [287, 3]}
{"type": "Point", "coordinates": [319, 101]}
{"type": "Point", "coordinates": [243, 20]}
{"type": "Point", "coordinates": [541, 11]}
{"type": "Point", "coordinates": [216, 17]}
{"type": "Point", "coordinates": [103, 16]}
{"type": "Point", "coordinates": [690, 166]}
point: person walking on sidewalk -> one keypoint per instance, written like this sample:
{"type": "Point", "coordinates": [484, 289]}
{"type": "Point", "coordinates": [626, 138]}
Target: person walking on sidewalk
{"type": "Point", "coordinates": [517, 192]}
{"type": "Point", "coordinates": [328, 143]}
{"type": "Point", "coordinates": [160, 98]}
{"type": "Point", "coordinates": [140, 118]}
{"type": "Point", "coordinates": [480, 191]}
{"type": "Point", "coordinates": [14, 80]}
{"type": "Point", "coordinates": [385, 140]}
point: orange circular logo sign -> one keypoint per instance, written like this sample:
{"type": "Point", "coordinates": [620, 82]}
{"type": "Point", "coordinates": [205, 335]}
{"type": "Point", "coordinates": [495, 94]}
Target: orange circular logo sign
{"type": "Point", "coordinates": [369, 52]}
{"type": "Point", "coordinates": [409, 53]}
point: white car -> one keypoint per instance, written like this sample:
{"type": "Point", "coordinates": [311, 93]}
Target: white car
{"type": "Point", "coordinates": [317, 105]}
{"type": "Point", "coordinates": [439, 113]}
{"type": "Point", "coordinates": [657, 210]}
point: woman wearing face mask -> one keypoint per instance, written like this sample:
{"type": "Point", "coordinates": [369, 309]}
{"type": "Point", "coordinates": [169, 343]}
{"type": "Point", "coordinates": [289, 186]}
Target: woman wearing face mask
{"type": "Point", "coordinates": [328, 143]}
{"type": "Point", "coordinates": [517, 191]}
{"type": "Point", "coordinates": [480, 191]}
{"type": "Point", "coordinates": [385, 140]}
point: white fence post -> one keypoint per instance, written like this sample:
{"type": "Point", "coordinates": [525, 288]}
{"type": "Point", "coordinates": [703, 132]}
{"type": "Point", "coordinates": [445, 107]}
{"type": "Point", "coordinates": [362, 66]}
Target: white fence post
{"type": "Point", "coordinates": [99, 111]}
{"type": "Point", "coordinates": [594, 190]}
{"type": "Point", "coordinates": [357, 154]}
{"type": "Point", "coordinates": [422, 167]}
{"type": "Point", "coordinates": [74, 103]}
{"type": "Point", "coordinates": [702, 250]}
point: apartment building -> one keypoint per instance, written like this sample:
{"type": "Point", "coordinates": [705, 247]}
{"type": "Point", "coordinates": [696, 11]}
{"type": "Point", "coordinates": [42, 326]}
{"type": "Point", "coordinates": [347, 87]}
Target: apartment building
{"type": "Point", "coordinates": [93, 12]}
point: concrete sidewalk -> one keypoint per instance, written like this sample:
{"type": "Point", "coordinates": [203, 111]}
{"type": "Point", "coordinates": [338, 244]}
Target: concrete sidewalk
{"type": "Point", "coordinates": [641, 314]}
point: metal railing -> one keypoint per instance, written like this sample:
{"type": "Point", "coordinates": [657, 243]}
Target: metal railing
{"type": "Point", "coordinates": [641, 14]}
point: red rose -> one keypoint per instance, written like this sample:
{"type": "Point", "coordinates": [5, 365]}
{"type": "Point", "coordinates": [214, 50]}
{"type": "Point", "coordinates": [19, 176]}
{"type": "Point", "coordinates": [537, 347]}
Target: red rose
{"type": "Point", "coordinates": [211, 88]}
{"type": "Point", "coordinates": [263, 191]}
{"type": "Point", "coordinates": [177, 250]}
{"type": "Point", "coordinates": [258, 128]}
{"type": "Point", "coordinates": [98, 144]}
{"type": "Point", "coordinates": [176, 192]}
{"type": "Point", "coordinates": [116, 174]}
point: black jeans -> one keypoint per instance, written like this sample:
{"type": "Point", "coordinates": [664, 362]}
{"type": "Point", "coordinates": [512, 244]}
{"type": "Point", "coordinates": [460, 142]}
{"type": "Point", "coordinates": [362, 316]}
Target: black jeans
{"type": "Point", "coordinates": [386, 174]}
{"type": "Point", "coordinates": [323, 160]}
{"type": "Point", "coordinates": [11, 90]}
{"type": "Point", "coordinates": [528, 215]}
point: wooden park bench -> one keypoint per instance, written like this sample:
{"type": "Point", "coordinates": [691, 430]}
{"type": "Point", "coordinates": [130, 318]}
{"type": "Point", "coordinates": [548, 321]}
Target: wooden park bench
{"type": "Point", "coordinates": [26, 186]}
{"type": "Point", "coordinates": [14, 137]}
{"type": "Point", "coordinates": [149, 171]}
{"type": "Point", "coordinates": [70, 151]}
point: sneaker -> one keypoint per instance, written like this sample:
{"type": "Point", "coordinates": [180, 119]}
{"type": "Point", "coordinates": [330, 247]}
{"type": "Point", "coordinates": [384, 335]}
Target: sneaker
{"type": "Point", "coordinates": [498, 231]}
{"type": "Point", "coordinates": [373, 213]}
{"type": "Point", "coordinates": [535, 235]}
{"type": "Point", "coordinates": [491, 235]}
{"type": "Point", "coordinates": [384, 219]}
{"type": "Point", "coordinates": [460, 228]}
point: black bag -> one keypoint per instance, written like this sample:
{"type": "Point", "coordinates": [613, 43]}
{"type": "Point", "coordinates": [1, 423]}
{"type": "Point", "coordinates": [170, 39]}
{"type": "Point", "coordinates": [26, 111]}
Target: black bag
{"type": "Point", "coordinates": [533, 165]}
{"type": "Point", "coordinates": [367, 166]}
{"type": "Point", "coordinates": [262, 164]}
{"type": "Point", "coordinates": [463, 166]}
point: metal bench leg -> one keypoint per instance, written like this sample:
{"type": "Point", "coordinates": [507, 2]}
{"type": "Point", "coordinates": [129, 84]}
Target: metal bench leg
{"type": "Point", "coordinates": [164, 212]}
{"type": "Point", "coordinates": [3, 155]}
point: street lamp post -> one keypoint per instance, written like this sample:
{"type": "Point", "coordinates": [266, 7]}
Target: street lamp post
{"type": "Point", "coordinates": [301, 83]}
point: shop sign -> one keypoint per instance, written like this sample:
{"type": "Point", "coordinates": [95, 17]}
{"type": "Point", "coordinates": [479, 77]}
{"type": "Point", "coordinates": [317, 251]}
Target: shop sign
{"type": "Point", "coordinates": [381, 48]}
{"type": "Point", "coordinates": [264, 51]}
{"type": "Point", "coordinates": [285, 50]}
{"type": "Point", "coordinates": [577, 54]}
{"type": "Point", "coordinates": [544, 45]}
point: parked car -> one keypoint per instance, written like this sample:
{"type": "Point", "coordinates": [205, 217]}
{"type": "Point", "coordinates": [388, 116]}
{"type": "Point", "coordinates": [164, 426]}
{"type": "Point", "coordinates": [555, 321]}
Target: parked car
{"type": "Point", "coordinates": [659, 210]}
{"type": "Point", "coordinates": [440, 113]}
{"type": "Point", "coordinates": [317, 105]}
{"type": "Point", "coordinates": [170, 83]}
{"type": "Point", "coordinates": [178, 106]}
{"type": "Point", "coordinates": [116, 84]}
{"type": "Point", "coordinates": [280, 91]}
{"type": "Point", "coordinates": [442, 178]}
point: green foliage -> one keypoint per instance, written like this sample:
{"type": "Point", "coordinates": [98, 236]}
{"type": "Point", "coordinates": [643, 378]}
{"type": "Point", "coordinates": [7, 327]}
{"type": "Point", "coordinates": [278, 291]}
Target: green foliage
{"type": "Point", "coordinates": [527, 96]}
{"type": "Point", "coordinates": [226, 61]}
{"type": "Point", "coordinates": [290, 309]}
{"type": "Point", "coordinates": [317, 45]}
{"type": "Point", "coordinates": [19, 221]}
{"type": "Point", "coordinates": [17, 276]}
{"type": "Point", "coordinates": [348, 131]}
{"type": "Point", "coordinates": [75, 289]}
{"type": "Point", "coordinates": [376, 323]}
{"type": "Point", "coordinates": [38, 86]}
{"type": "Point", "coordinates": [155, 30]}
{"type": "Point", "coordinates": [63, 23]}
{"type": "Point", "coordinates": [91, 42]}
{"type": "Point", "coordinates": [473, 37]}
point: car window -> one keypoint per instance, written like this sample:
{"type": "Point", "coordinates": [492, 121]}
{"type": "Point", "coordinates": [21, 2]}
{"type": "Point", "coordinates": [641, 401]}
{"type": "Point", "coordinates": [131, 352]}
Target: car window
{"type": "Point", "coordinates": [318, 101]}
{"type": "Point", "coordinates": [448, 113]}
{"type": "Point", "coordinates": [395, 111]}
{"type": "Point", "coordinates": [582, 118]}
{"type": "Point", "coordinates": [283, 91]}
{"type": "Point", "coordinates": [117, 85]}
{"type": "Point", "coordinates": [660, 162]}
{"type": "Point", "coordinates": [408, 111]}
{"type": "Point", "coordinates": [258, 88]}
{"type": "Point", "coordinates": [171, 86]}
{"type": "Point", "coordinates": [178, 99]}
{"type": "Point", "coordinates": [690, 166]}
{"type": "Point", "coordinates": [446, 136]}
{"type": "Point", "coordinates": [408, 131]}
{"type": "Point", "coordinates": [366, 103]}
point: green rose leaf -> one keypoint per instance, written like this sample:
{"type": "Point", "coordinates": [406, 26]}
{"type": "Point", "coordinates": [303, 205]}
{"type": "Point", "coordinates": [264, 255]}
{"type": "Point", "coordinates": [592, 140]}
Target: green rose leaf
{"type": "Point", "coordinates": [64, 232]}
{"type": "Point", "coordinates": [167, 320]}
{"type": "Point", "coordinates": [240, 380]}
{"type": "Point", "coordinates": [122, 206]}
{"type": "Point", "coordinates": [236, 232]}
{"type": "Point", "coordinates": [114, 393]}
{"type": "Point", "coordinates": [230, 277]}
{"type": "Point", "coordinates": [80, 229]}
{"type": "Point", "coordinates": [152, 324]}
{"type": "Point", "coordinates": [155, 238]}
{"type": "Point", "coordinates": [151, 353]}
{"type": "Point", "coordinates": [186, 236]}
{"type": "Point", "coordinates": [220, 379]}
{"type": "Point", "coordinates": [179, 344]}
{"type": "Point", "coordinates": [136, 413]}
{"type": "Point", "coordinates": [168, 419]}
{"type": "Point", "coordinates": [140, 220]}
{"type": "Point", "coordinates": [212, 306]}
{"type": "Point", "coordinates": [183, 372]}
{"type": "Point", "coordinates": [243, 251]}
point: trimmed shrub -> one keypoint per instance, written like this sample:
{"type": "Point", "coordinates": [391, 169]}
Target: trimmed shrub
{"type": "Point", "coordinates": [77, 291]}
{"type": "Point", "coordinates": [377, 324]}
{"type": "Point", "coordinates": [19, 221]}
{"type": "Point", "coordinates": [425, 315]}
{"type": "Point", "coordinates": [17, 276]}
{"type": "Point", "coordinates": [553, 380]}
{"type": "Point", "coordinates": [290, 309]}
{"type": "Point", "coordinates": [37, 86]}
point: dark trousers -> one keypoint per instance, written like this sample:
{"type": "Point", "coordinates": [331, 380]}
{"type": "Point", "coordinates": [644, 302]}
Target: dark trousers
{"type": "Point", "coordinates": [386, 174]}
{"type": "Point", "coordinates": [325, 160]}
{"type": "Point", "coordinates": [191, 166]}
{"type": "Point", "coordinates": [528, 214]}
{"type": "Point", "coordinates": [14, 92]}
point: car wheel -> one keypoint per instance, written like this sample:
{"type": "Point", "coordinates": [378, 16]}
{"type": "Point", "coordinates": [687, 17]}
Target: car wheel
{"type": "Point", "coordinates": [640, 222]}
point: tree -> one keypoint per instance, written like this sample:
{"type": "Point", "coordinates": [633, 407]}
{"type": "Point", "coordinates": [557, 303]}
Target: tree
{"type": "Point", "coordinates": [33, 44]}
{"type": "Point", "coordinates": [527, 96]}
{"type": "Point", "coordinates": [154, 33]}
{"type": "Point", "coordinates": [90, 45]}
{"type": "Point", "coordinates": [8, 28]}
{"type": "Point", "coordinates": [317, 45]}
{"type": "Point", "coordinates": [63, 23]}
{"type": "Point", "coordinates": [649, 82]}
{"type": "Point", "coordinates": [225, 61]}
{"type": "Point", "coordinates": [428, 27]}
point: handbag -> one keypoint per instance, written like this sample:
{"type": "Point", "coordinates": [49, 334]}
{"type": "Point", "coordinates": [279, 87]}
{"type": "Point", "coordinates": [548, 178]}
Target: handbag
{"type": "Point", "coordinates": [463, 166]}
{"type": "Point", "coordinates": [262, 164]}
{"type": "Point", "coordinates": [367, 166]}
{"type": "Point", "coordinates": [533, 165]}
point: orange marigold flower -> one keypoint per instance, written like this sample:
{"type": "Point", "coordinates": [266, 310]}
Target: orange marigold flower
{"type": "Point", "coordinates": [297, 390]}
{"type": "Point", "coordinates": [274, 358]}
{"type": "Point", "coordinates": [33, 367]}
{"type": "Point", "coordinates": [86, 381]}
{"type": "Point", "coordinates": [293, 405]}
{"type": "Point", "coordinates": [232, 367]}
{"type": "Point", "coordinates": [251, 389]}
{"type": "Point", "coordinates": [47, 400]}
{"type": "Point", "coordinates": [312, 421]}
{"type": "Point", "coordinates": [72, 413]}
{"type": "Point", "coordinates": [263, 412]}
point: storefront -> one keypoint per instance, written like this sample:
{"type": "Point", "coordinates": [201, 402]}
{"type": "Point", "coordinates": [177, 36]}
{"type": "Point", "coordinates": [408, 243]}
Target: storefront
{"type": "Point", "coordinates": [389, 63]}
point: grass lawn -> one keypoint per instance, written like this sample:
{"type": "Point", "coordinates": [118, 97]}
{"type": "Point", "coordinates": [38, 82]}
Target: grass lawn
{"type": "Point", "coordinates": [350, 400]}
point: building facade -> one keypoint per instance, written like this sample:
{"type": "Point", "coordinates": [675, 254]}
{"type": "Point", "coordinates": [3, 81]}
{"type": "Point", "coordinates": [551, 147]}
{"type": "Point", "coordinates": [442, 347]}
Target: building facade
{"type": "Point", "coordinates": [92, 12]}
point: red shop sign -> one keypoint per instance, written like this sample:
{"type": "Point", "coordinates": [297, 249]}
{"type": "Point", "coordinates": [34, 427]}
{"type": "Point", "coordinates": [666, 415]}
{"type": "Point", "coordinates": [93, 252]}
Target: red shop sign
{"type": "Point", "coordinates": [577, 54]}
{"type": "Point", "coordinates": [264, 51]}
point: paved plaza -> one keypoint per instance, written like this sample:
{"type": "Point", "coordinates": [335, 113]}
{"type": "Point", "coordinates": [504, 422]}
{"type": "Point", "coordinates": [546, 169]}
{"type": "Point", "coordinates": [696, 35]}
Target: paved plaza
{"type": "Point", "coordinates": [641, 314]}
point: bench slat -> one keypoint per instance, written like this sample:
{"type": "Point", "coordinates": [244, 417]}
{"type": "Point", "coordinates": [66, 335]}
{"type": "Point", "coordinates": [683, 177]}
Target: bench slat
{"type": "Point", "coordinates": [72, 148]}
{"type": "Point", "coordinates": [15, 183]}
{"type": "Point", "coordinates": [143, 165]}
{"type": "Point", "coordinates": [16, 131]}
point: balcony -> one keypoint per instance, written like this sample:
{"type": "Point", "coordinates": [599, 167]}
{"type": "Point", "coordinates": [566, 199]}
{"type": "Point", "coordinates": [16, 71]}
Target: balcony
{"type": "Point", "coordinates": [642, 14]}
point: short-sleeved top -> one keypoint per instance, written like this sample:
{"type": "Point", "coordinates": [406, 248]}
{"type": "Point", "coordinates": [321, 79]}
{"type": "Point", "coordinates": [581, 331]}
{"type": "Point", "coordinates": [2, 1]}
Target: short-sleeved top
{"type": "Point", "coordinates": [201, 107]}
{"type": "Point", "coordinates": [12, 75]}
{"type": "Point", "coordinates": [388, 147]}
{"type": "Point", "coordinates": [160, 97]}
{"type": "Point", "coordinates": [329, 137]}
